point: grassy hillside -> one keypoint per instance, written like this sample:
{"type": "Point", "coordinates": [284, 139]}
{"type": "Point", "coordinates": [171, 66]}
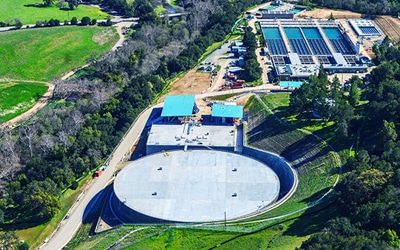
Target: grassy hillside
{"type": "Point", "coordinates": [42, 54]}
{"type": "Point", "coordinates": [11, 9]}
{"type": "Point", "coordinates": [18, 97]}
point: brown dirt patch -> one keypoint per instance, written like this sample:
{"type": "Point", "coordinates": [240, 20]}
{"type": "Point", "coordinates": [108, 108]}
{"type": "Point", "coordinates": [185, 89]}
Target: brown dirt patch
{"type": "Point", "coordinates": [325, 13]}
{"type": "Point", "coordinates": [103, 36]}
{"type": "Point", "coordinates": [242, 101]}
{"type": "Point", "coordinates": [191, 83]}
{"type": "Point", "coordinates": [390, 26]}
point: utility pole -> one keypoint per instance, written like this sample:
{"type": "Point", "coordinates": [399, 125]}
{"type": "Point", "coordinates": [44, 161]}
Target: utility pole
{"type": "Point", "coordinates": [225, 220]}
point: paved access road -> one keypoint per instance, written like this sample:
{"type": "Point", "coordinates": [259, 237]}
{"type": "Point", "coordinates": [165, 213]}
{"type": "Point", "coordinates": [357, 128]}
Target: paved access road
{"type": "Point", "coordinates": [69, 227]}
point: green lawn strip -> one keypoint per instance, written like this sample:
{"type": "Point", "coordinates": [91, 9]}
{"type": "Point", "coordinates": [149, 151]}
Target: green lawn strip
{"type": "Point", "coordinates": [34, 236]}
{"type": "Point", "coordinates": [82, 236]}
{"type": "Point", "coordinates": [151, 237]}
{"type": "Point", "coordinates": [29, 15]}
{"type": "Point", "coordinates": [141, 233]}
{"type": "Point", "coordinates": [43, 54]}
{"type": "Point", "coordinates": [107, 238]}
{"type": "Point", "coordinates": [222, 97]}
{"type": "Point", "coordinates": [18, 97]}
{"type": "Point", "coordinates": [99, 241]}
{"type": "Point", "coordinates": [179, 238]}
{"type": "Point", "coordinates": [288, 234]}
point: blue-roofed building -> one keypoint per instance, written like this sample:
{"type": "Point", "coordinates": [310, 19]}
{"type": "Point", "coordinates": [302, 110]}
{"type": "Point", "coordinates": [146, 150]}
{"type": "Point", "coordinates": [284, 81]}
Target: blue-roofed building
{"type": "Point", "coordinates": [222, 112]}
{"type": "Point", "coordinates": [179, 106]}
{"type": "Point", "coordinates": [231, 111]}
{"type": "Point", "coordinates": [290, 84]}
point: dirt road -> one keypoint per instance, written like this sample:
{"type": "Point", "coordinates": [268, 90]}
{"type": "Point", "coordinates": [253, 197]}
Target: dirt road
{"type": "Point", "coordinates": [120, 31]}
{"type": "Point", "coordinates": [42, 102]}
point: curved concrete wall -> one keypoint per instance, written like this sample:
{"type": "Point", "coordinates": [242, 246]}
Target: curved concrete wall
{"type": "Point", "coordinates": [282, 168]}
{"type": "Point", "coordinates": [127, 215]}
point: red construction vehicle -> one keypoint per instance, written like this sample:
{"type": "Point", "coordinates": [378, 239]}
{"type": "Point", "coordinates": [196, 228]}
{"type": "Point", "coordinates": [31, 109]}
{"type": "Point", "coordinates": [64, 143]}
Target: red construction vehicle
{"type": "Point", "coordinates": [237, 84]}
{"type": "Point", "coordinates": [98, 173]}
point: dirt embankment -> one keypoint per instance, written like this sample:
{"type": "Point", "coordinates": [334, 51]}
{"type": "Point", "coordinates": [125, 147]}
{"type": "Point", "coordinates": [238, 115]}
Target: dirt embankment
{"type": "Point", "coordinates": [193, 82]}
{"type": "Point", "coordinates": [326, 13]}
{"type": "Point", "coordinates": [390, 26]}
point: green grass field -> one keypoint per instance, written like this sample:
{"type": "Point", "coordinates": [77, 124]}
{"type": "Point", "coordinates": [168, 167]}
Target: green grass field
{"type": "Point", "coordinates": [43, 54]}
{"type": "Point", "coordinates": [11, 9]}
{"type": "Point", "coordinates": [18, 97]}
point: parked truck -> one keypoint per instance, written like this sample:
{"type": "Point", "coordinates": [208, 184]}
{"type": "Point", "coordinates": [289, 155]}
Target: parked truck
{"type": "Point", "coordinates": [99, 171]}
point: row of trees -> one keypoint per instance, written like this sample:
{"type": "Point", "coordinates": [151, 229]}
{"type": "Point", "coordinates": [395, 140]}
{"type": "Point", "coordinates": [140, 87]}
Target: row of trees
{"type": "Point", "coordinates": [252, 70]}
{"type": "Point", "coordinates": [368, 197]}
{"type": "Point", "coordinates": [74, 21]}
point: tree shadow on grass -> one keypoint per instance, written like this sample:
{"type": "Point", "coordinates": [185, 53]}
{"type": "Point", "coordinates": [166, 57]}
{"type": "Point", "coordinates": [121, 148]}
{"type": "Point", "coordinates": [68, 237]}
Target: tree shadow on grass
{"type": "Point", "coordinates": [282, 111]}
{"type": "Point", "coordinates": [339, 143]}
{"type": "Point", "coordinates": [21, 226]}
{"type": "Point", "coordinates": [36, 5]}
{"type": "Point", "coordinates": [313, 220]}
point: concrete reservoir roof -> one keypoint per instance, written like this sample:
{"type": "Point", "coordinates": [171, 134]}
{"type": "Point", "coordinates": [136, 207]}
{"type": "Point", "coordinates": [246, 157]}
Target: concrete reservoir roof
{"type": "Point", "coordinates": [221, 110]}
{"type": "Point", "coordinates": [178, 106]}
{"type": "Point", "coordinates": [220, 136]}
{"type": "Point", "coordinates": [196, 186]}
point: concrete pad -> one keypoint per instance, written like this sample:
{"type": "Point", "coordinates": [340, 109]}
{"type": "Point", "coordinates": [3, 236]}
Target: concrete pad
{"type": "Point", "coordinates": [196, 186]}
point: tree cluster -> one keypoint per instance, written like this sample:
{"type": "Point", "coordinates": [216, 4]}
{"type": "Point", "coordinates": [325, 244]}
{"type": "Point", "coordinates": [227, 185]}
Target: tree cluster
{"type": "Point", "coordinates": [252, 70]}
{"type": "Point", "coordinates": [49, 152]}
{"type": "Point", "coordinates": [12, 22]}
{"type": "Point", "coordinates": [368, 196]}
{"type": "Point", "coordinates": [326, 100]}
{"type": "Point", "coordinates": [62, 4]}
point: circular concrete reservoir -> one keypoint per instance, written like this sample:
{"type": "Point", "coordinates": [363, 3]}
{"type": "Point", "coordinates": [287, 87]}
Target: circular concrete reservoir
{"type": "Point", "coordinates": [193, 186]}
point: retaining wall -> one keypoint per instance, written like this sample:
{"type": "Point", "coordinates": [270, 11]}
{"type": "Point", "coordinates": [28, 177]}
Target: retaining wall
{"type": "Point", "coordinates": [282, 168]}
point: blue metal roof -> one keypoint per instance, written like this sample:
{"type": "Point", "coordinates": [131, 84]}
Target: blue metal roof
{"type": "Point", "coordinates": [290, 84]}
{"type": "Point", "coordinates": [178, 106]}
{"type": "Point", "coordinates": [221, 110]}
